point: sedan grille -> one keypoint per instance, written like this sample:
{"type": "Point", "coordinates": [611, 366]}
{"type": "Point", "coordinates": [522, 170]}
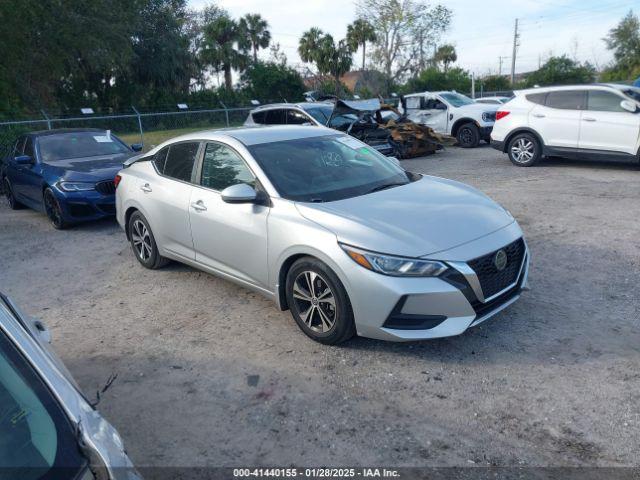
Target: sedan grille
{"type": "Point", "coordinates": [492, 279]}
{"type": "Point", "coordinates": [106, 188]}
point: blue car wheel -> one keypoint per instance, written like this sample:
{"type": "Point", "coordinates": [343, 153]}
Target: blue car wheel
{"type": "Point", "coordinates": [53, 210]}
{"type": "Point", "coordinates": [12, 203]}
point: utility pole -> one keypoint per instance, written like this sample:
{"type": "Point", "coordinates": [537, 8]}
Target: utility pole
{"type": "Point", "coordinates": [513, 57]}
{"type": "Point", "coordinates": [501, 59]}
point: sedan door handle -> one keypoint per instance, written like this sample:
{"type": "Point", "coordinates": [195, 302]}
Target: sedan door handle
{"type": "Point", "coordinates": [146, 188]}
{"type": "Point", "coordinates": [589, 119]}
{"type": "Point", "coordinates": [539, 115]}
{"type": "Point", "coordinates": [199, 206]}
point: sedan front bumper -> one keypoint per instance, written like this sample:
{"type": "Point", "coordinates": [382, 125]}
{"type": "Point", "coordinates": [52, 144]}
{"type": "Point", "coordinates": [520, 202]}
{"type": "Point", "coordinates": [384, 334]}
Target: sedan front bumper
{"type": "Point", "coordinates": [405, 309]}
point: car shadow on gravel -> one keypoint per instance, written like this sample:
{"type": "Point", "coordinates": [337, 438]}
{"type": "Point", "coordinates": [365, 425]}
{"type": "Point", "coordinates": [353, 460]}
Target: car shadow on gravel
{"type": "Point", "coordinates": [556, 162]}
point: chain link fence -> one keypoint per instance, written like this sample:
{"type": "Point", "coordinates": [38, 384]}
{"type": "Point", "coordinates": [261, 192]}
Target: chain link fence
{"type": "Point", "coordinates": [135, 127]}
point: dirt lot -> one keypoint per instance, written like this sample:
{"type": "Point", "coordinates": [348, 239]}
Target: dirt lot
{"type": "Point", "coordinates": [210, 374]}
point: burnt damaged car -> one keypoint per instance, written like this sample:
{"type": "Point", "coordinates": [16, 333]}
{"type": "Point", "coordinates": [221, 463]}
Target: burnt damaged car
{"type": "Point", "coordinates": [354, 117]}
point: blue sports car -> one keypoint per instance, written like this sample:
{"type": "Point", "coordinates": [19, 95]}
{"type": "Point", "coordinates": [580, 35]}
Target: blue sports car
{"type": "Point", "coordinates": [68, 174]}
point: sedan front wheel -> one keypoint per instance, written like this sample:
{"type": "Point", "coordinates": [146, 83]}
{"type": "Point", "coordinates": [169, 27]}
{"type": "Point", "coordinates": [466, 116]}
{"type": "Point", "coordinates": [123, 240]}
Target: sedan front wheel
{"type": "Point", "coordinates": [318, 302]}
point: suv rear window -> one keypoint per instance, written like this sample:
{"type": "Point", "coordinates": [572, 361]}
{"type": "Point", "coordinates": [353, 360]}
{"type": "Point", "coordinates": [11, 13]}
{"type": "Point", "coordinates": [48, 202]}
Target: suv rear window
{"type": "Point", "coordinates": [538, 98]}
{"type": "Point", "coordinates": [566, 99]}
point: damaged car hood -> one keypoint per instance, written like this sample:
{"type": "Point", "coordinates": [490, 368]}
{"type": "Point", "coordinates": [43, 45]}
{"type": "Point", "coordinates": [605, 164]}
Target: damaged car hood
{"type": "Point", "coordinates": [419, 219]}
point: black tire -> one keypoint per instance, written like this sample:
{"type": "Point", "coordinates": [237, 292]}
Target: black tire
{"type": "Point", "coordinates": [321, 311]}
{"type": "Point", "coordinates": [524, 150]}
{"type": "Point", "coordinates": [143, 243]}
{"type": "Point", "coordinates": [12, 203]}
{"type": "Point", "coordinates": [53, 210]}
{"type": "Point", "coordinates": [468, 135]}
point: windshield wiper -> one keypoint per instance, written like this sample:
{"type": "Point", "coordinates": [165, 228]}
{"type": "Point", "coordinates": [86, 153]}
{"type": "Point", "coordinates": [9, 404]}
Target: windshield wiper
{"type": "Point", "coordinates": [385, 186]}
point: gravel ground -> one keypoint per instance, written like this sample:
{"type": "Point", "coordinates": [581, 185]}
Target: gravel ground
{"type": "Point", "coordinates": [211, 374]}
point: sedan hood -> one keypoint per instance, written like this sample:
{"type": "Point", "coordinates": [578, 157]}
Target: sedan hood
{"type": "Point", "coordinates": [90, 168]}
{"type": "Point", "coordinates": [415, 220]}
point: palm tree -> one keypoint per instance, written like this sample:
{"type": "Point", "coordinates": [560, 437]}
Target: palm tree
{"type": "Point", "coordinates": [256, 29]}
{"type": "Point", "coordinates": [334, 59]}
{"type": "Point", "coordinates": [224, 47]}
{"type": "Point", "coordinates": [359, 33]}
{"type": "Point", "coordinates": [446, 54]}
{"type": "Point", "coordinates": [309, 43]}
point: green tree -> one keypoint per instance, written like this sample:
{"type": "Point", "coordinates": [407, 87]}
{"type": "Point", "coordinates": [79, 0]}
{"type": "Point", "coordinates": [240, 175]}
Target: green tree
{"type": "Point", "coordinates": [446, 55]}
{"type": "Point", "coordinates": [561, 71]}
{"type": "Point", "coordinates": [330, 58]}
{"type": "Point", "coordinates": [624, 41]}
{"type": "Point", "coordinates": [495, 83]}
{"type": "Point", "coordinates": [257, 30]}
{"type": "Point", "coordinates": [309, 44]}
{"type": "Point", "coordinates": [358, 34]}
{"type": "Point", "coordinates": [224, 47]}
{"type": "Point", "coordinates": [433, 78]}
{"type": "Point", "coordinates": [163, 64]}
{"type": "Point", "coordinates": [270, 81]}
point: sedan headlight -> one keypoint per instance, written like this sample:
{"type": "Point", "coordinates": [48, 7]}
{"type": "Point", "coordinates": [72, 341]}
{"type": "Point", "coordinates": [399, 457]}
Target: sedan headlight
{"type": "Point", "coordinates": [76, 186]}
{"type": "Point", "coordinates": [395, 266]}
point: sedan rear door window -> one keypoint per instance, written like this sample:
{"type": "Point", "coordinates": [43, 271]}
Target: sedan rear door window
{"type": "Point", "coordinates": [296, 118]}
{"type": "Point", "coordinates": [277, 116]}
{"type": "Point", "coordinates": [180, 161]}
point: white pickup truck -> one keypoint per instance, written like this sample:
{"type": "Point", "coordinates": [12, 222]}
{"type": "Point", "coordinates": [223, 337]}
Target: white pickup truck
{"type": "Point", "coordinates": [453, 114]}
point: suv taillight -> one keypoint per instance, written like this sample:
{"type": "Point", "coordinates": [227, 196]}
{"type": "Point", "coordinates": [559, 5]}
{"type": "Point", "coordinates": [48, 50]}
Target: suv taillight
{"type": "Point", "coordinates": [116, 181]}
{"type": "Point", "coordinates": [501, 114]}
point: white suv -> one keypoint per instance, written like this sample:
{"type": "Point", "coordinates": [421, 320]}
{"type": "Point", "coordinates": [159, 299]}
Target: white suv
{"type": "Point", "coordinates": [598, 121]}
{"type": "Point", "coordinates": [451, 113]}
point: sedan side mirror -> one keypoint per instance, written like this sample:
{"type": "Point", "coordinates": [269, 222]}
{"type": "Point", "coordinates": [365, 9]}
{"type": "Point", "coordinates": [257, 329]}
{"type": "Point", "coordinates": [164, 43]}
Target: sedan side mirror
{"type": "Point", "coordinates": [23, 160]}
{"type": "Point", "coordinates": [240, 193]}
{"type": "Point", "coordinates": [629, 106]}
{"type": "Point", "coordinates": [137, 147]}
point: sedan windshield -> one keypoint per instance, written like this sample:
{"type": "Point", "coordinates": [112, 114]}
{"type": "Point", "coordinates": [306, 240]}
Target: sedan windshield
{"type": "Point", "coordinates": [323, 169]}
{"type": "Point", "coordinates": [63, 146]}
{"type": "Point", "coordinates": [456, 99]}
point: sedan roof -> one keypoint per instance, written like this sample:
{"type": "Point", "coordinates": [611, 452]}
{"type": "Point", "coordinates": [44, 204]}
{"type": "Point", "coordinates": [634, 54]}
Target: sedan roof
{"type": "Point", "coordinates": [255, 135]}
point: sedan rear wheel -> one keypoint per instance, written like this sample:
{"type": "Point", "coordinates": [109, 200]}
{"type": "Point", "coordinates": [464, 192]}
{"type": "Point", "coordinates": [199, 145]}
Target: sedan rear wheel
{"type": "Point", "coordinates": [143, 242]}
{"type": "Point", "coordinates": [12, 203]}
{"type": "Point", "coordinates": [318, 302]}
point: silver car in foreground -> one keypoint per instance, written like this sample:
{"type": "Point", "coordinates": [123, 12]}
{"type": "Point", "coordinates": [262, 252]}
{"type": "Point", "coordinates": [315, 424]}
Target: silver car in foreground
{"type": "Point", "coordinates": [328, 228]}
{"type": "Point", "coordinates": [48, 430]}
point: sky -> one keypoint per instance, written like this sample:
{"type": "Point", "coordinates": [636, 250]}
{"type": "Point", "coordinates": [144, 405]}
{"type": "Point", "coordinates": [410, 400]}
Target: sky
{"type": "Point", "coordinates": [482, 32]}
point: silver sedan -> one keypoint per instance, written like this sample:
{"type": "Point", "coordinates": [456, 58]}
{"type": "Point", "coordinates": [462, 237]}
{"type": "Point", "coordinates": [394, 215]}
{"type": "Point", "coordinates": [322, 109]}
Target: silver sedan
{"type": "Point", "coordinates": [327, 228]}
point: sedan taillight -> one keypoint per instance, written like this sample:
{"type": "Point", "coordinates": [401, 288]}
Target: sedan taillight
{"type": "Point", "coordinates": [116, 181]}
{"type": "Point", "coordinates": [501, 114]}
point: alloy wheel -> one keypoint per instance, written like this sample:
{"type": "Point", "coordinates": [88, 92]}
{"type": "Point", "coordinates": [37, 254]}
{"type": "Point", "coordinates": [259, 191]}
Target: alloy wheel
{"type": "Point", "coordinates": [141, 240]}
{"type": "Point", "coordinates": [315, 302]}
{"type": "Point", "coordinates": [523, 150]}
{"type": "Point", "coordinates": [52, 207]}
